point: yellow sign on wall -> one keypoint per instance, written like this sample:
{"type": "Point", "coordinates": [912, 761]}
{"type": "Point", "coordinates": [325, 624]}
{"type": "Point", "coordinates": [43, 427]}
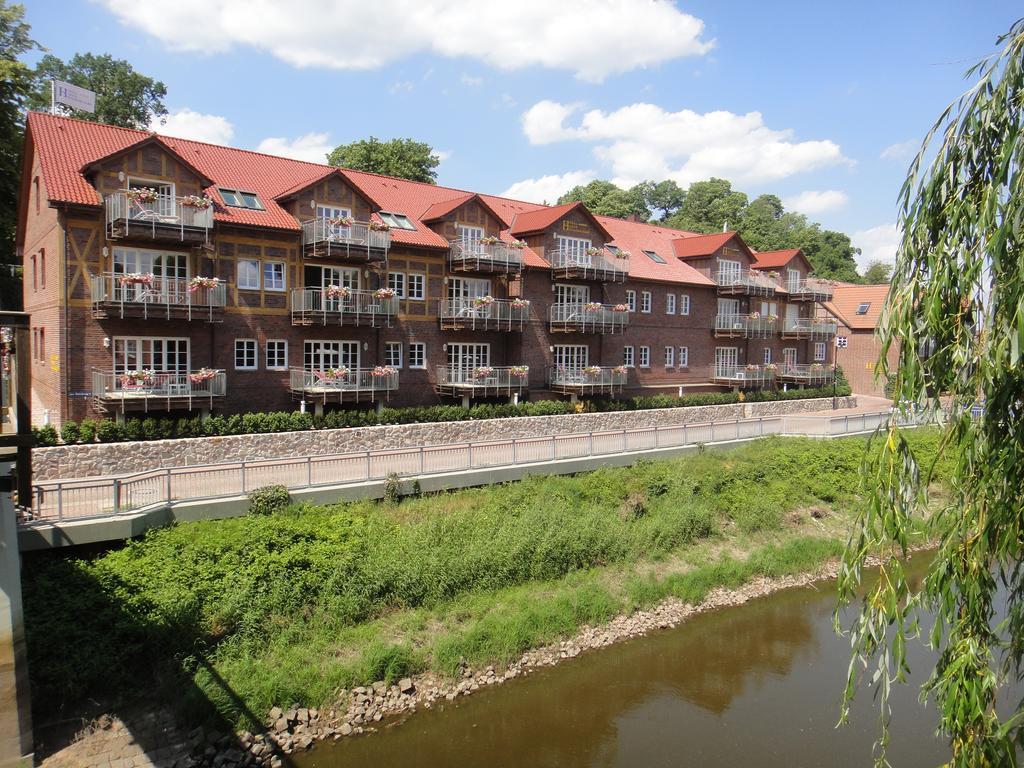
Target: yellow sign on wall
{"type": "Point", "coordinates": [55, 363]}
{"type": "Point", "coordinates": [568, 225]}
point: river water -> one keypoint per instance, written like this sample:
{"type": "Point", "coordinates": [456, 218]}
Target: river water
{"type": "Point", "coordinates": [757, 684]}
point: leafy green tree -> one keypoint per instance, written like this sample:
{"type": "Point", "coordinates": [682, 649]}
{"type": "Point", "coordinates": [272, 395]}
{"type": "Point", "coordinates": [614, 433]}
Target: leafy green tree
{"type": "Point", "coordinates": [606, 199]}
{"type": "Point", "coordinates": [405, 158]}
{"type": "Point", "coordinates": [709, 206]}
{"type": "Point", "coordinates": [760, 225]}
{"type": "Point", "coordinates": [831, 253]}
{"type": "Point", "coordinates": [956, 315]}
{"type": "Point", "coordinates": [123, 96]}
{"type": "Point", "coordinates": [15, 85]}
{"type": "Point", "coordinates": [665, 197]}
{"type": "Point", "coordinates": [877, 272]}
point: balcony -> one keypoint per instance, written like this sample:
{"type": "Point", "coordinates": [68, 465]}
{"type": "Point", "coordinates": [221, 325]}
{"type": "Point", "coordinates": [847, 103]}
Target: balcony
{"type": "Point", "coordinates": [477, 256]}
{"type": "Point", "coordinates": [483, 381]}
{"type": "Point", "coordinates": [808, 328]}
{"type": "Point", "coordinates": [163, 218]}
{"type": "Point", "coordinates": [145, 390]}
{"type": "Point", "coordinates": [752, 326]}
{"type": "Point", "coordinates": [744, 282]}
{"type": "Point", "coordinates": [148, 296]}
{"type": "Point", "coordinates": [483, 313]}
{"type": "Point", "coordinates": [744, 376]}
{"type": "Point", "coordinates": [589, 317]}
{"type": "Point", "coordinates": [343, 385]}
{"type": "Point", "coordinates": [809, 290]}
{"type": "Point", "coordinates": [815, 374]}
{"type": "Point", "coordinates": [358, 241]}
{"type": "Point", "coordinates": [593, 264]}
{"type": "Point", "coordinates": [336, 305]}
{"type": "Point", "coordinates": [588, 380]}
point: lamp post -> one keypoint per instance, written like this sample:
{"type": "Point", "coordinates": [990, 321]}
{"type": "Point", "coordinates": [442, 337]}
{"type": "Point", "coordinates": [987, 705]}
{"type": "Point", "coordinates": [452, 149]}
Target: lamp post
{"type": "Point", "coordinates": [841, 342]}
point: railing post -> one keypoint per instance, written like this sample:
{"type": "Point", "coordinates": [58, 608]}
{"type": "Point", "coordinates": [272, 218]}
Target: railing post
{"type": "Point", "coordinates": [686, 439]}
{"type": "Point", "coordinates": [117, 496]}
{"type": "Point", "coordinates": [590, 443]}
{"type": "Point", "coordinates": [470, 454]}
{"type": "Point", "coordinates": [657, 437]}
{"type": "Point", "coordinates": [168, 485]}
{"type": "Point", "coordinates": [243, 475]}
{"type": "Point", "coordinates": [367, 465]}
{"type": "Point", "coordinates": [60, 502]}
{"type": "Point", "coordinates": [309, 471]}
{"type": "Point", "coordinates": [422, 461]}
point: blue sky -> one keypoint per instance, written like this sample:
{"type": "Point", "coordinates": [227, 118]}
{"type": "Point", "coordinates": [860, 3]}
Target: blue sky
{"type": "Point", "coordinates": [819, 103]}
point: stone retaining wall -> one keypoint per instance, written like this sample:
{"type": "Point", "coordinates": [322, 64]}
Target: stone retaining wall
{"type": "Point", "coordinates": [74, 461]}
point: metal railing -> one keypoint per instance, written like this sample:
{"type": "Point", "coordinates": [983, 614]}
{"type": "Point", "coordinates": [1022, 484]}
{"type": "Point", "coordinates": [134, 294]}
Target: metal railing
{"type": "Point", "coordinates": [166, 217]}
{"type": "Point", "coordinates": [148, 390]}
{"type": "Point", "coordinates": [747, 282]}
{"type": "Point", "coordinates": [164, 297]}
{"type": "Point", "coordinates": [60, 500]}
{"type": "Point", "coordinates": [744, 375]}
{"type": "Point", "coordinates": [588, 317]}
{"type": "Point", "coordinates": [310, 306]}
{"type": "Point", "coordinates": [474, 256]}
{"type": "Point", "coordinates": [747, 326]}
{"type": "Point", "coordinates": [483, 314]}
{"type": "Point", "coordinates": [588, 380]}
{"type": "Point", "coordinates": [343, 384]}
{"type": "Point", "coordinates": [805, 373]}
{"type": "Point", "coordinates": [809, 290]}
{"type": "Point", "coordinates": [602, 265]}
{"type": "Point", "coordinates": [808, 328]}
{"type": "Point", "coordinates": [483, 380]}
{"type": "Point", "coordinates": [356, 241]}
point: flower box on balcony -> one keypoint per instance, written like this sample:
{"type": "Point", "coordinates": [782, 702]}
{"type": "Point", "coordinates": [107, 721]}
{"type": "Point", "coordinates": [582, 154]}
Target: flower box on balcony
{"type": "Point", "coordinates": [483, 372]}
{"type": "Point", "coordinates": [202, 375]}
{"type": "Point", "coordinates": [379, 226]}
{"type": "Point", "coordinates": [490, 240]}
{"type": "Point", "coordinates": [520, 303]}
{"type": "Point", "coordinates": [593, 371]}
{"type": "Point", "coordinates": [593, 306]}
{"type": "Point", "coordinates": [519, 371]}
{"type": "Point", "coordinates": [337, 292]}
{"type": "Point", "coordinates": [383, 370]}
{"type": "Point", "coordinates": [384, 293]}
{"type": "Point", "coordinates": [198, 202]}
{"type": "Point", "coordinates": [136, 278]}
{"type": "Point", "coordinates": [141, 194]}
{"type": "Point", "coordinates": [482, 302]}
{"type": "Point", "coordinates": [196, 283]}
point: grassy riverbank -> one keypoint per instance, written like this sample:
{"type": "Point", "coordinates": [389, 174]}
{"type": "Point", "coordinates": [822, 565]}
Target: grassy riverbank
{"type": "Point", "coordinates": [243, 614]}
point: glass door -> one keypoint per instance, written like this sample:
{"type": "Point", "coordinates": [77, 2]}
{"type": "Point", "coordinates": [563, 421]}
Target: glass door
{"type": "Point", "coordinates": [327, 216]}
{"type": "Point", "coordinates": [169, 271]}
{"type": "Point", "coordinates": [462, 291]}
{"type": "Point", "coordinates": [469, 238]}
{"type": "Point", "coordinates": [726, 361]}
{"type": "Point", "coordinates": [464, 358]}
{"type": "Point", "coordinates": [788, 358]}
{"type": "Point", "coordinates": [320, 356]}
{"type": "Point", "coordinates": [571, 357]}
{"type": "Point", "coordinates": [574, 251]}
{"type": "Point", "coordinates": [728, 272]}
{"type": "Point", "coordinates": [163, 206]}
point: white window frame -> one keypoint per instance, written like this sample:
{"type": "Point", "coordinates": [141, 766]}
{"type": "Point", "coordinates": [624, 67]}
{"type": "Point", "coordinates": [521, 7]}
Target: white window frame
{"type": "Point", "coordinates": [248, 286]}
{"type": "Point", "coordinates": [684, 304]}
{"type": "Point", "coordinates": [670, 357]}
{"type": "Point", "coordinates": [645, 356]}
{"type": "Point", "coordinates": [631, 300]}
{"type": "Point", "coordinates": [281, 345]}
{"type": "Point", "coordinates": [684, 357]}
{"type": "Point", "coordinates": [272, 285]}
{"type": "Point", "coordinates": [574, 250]}
{"type": "Point", "coordinates": [143, 347]}
{"type": "Point", "coordinates": [820, 352]}
{"type": "Point", "coordinates": [645, 302]}
{"type": "Point", "coordinates": [767, 355]}
{"type": "Point", "coordinates": [393, 354]}
{"type": "Point", "coordinates": [420, 279]}
{"type": "Point", "coordinates": [629, 356]}
{"type": "Point", "coordinates": [788, 357]}
{"type": "Point", "coordinates": [396, 282]}
{"type": "Point", "coordinates": [421, 347]}
{"type": "Point", "coordinates": [670, 303]}
{"type": "Point", "coordinates": [316, 352]}
{"type": "Point", "coordinates": [574, 353]}
{"type": "Point", "coordinates": [255, 355]}
{"type": "Point", "coordinates": [469, 237]}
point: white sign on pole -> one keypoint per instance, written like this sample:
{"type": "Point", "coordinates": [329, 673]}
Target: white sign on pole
{"type": "Point", "coordinates": [841, 342]}
{"type": "Point", "coordinates": [81, 99]}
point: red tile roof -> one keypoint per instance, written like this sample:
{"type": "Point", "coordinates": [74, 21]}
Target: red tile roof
{"type": "Point", "coordinates": [442, 209]}
{"type": "Point", "coordinates": [545, 216]}
{"type": "Point", "coordinates": [697, 246]}
{"type": "Point", "coordinates": [775, 259]}
{"type": "Point", "coordinates": [636, 237]}
{"type": "Point", "coordinates": [847, 297]}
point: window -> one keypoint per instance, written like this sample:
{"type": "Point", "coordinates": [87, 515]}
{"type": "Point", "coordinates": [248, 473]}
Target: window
{"type": "Point", "coordinates": [248, 274]}
{"type": "Point", "coordinates": [819, 351]}
{"type": "Point", "coordinates": [767, 355]}
{"type": "Point", "coordinates": [417, 286]}
{"type": "Point", "coordinates": [396, 282]}
{"type": "Point", "coordinates": [670, 356]}
{"type": "Point", "coordinates": [684, 304]}
{"type": "Point", "coordinates": [393, 354]}
{"type": "Point", "coordinates": [654, 257]}
{"type": "Point", "coordinates": [35, 274]}
{"type": "Point", "coordinates": [469, 237]}
{"type": "Point", "coordinates": [684, 357]}
{"type": "Point", "coordinates": [572, 251]}
{"type": "Point", "coordinates": [645, 301]}
{"type": "Point", "coordinates": [42, 268]}
{"type": "Point", "coordinates": [277, 354]}
{"type": "Point", "coordinates": [863, 307]}
{"type": "Point", "coordinates": [631, 300]}
{"type": "Point", "coordinates": [396, 220]}
{"type": "Point", "coordinates": [627, 356]}
{"type": "Point", "coordinates": [148, 353]}
{"type": "Point", "coordinates": [245, 354]}
{"type": "Point", "coordinates": [417, 355]}
{"type": "Point", "coordinates": [571, 294]}
{"type": "Point", "coordinates": [35, 193]}
{"type": "Point", "coordinates": [645, 357]}
{"type": "Point", "coordinates": [466, 357]}
{"type": "Point", "coordinates": [42, 345]}
{"type": "Point", "coordinates": [571, 357]}
{"type": "Point", "coordinates": [613, 249]}
{"type": "Point", "coordinates": [239, 199]}
{"type": "Point", "coordinates": [273, 276]}
{"type": "Point", "coordinates": [320, 355]}
{"type": "Point", "coordinates": [789, 357]}
{"type": "Point", "coordinates": [670, 304]}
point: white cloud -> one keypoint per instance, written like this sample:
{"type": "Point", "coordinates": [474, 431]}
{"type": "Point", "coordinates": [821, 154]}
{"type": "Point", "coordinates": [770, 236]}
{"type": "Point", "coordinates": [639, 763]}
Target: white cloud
{"type": "Point", "coordinates": [312, 147]}
{"type": "Point", "coordinates": [643, 141]}
{"type": "Point", "coordinates": [547, 188]}
{"type": "Point", "coordinates": [444, 154]}
{"type": "Point", "coordinates": [593, 40]}
{"type": "Point", "coordinates": [471, 80]}
{"type": "Point", "coordinates": [816, 201]}
{"type": "Point", "coordinates": [401, 86]}
{"type": "Point", "coordinates": [876, 244]}
{"type": "Point", "coordinates": [188, 124]}
{"type": "Point", "coordinates": [902, 150]}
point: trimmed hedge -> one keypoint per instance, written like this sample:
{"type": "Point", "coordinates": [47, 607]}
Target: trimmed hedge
{"type": "Point", "coordinates": [109, 431]}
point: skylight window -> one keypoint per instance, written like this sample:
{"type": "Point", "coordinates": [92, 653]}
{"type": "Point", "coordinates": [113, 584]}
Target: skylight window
{"type": "Point", "coordinates": [654, 257]}
{"type": "Point", "coordinates": [613, 249]}
{"type": "Point", "coordinates": [863, 307]}
{"type": "Point", "coordinates": [237, 198]}
{"type": "Point", "coordinates": [396, 220]}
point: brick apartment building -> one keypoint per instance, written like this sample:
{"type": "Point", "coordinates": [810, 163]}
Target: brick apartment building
{"type": "Point", "coordinates": [173, 276]}
{"type": "Point", "coordinates": [858, 309]}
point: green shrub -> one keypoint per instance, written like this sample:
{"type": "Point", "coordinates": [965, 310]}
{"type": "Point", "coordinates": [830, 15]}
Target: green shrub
{"type": "Point", "coordinates": [45, 435]}
{"type": "Point", "coordinates": [69, 433]}
{"type": "Point", "coordinates": [268, 499]}
{"type": "Point", "coordinates": [109, 431]}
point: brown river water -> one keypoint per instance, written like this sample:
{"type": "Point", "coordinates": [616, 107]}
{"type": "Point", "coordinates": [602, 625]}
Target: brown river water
{"type": "Point", "coordinates": [752, 685]}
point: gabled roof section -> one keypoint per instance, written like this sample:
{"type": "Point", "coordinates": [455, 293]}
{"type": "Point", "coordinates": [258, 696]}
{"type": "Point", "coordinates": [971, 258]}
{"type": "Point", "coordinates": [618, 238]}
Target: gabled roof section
{"type": "Point", "coordinates": [636, 237]}
{"type": "Point", "coordinates": [328, 171]}
{"type": "Point", "coordinates": [441, 209]}
{"type": "Point", "coordinates": [848, 297]}
{"type": "Point", "coordinates": [778, 259]}
{"type": "Point", "coordinates": [146, 141]}
{"type": "Point", "coordinates": [702, 246]}
{"type": "Point", "coordinates": [544, 218]}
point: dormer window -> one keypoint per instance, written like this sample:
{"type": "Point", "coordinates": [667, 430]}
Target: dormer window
{"type": "Point", "coordinates": [237, 198]}
{"type": "Point", "coordinates": [396, 220]}
{"type": "Point", "coordinates": [654, 257]}
{"type": "Point", "coordinates": [863, 307]}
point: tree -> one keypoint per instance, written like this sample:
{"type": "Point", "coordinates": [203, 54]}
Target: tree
{"type": "Point", "coordinates": [606, 199]}
{"type": "Point", "coordinates": [123, 96]}
{"type": "Point", "coordinates": [15, 85]}
{"type": "Point", "coordinates": [877, 272]}
{"type": "Point", "coordinates": [956, 312]}
{"type": "Point", "coordinates": [405, 158]}
{"type": "Point", "coordinates": [709, 206]}
{"type": "Point", "coordinates": [665, 196]}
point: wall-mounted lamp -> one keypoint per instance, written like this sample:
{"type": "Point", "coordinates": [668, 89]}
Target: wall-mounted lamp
{"type": "Point", "coordinates": [444, 281]}
{"type": "Point", "coordinates": [106, 342]}
{"type": "Point", "coordinates": [120, 175]}
{"type": "Point", "coordinates": [312, 204]}
{"type": "Point", "coordinates": [106, 251]}
{"type": "Point", "coordinates": [365, 346]}
{"type": "Point", "coordinates": [551, 349]}
{"type": "Point", "coordinates": [444, 347]}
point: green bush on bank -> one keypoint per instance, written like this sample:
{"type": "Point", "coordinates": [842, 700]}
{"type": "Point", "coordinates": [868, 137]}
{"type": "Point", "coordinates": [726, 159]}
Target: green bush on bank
{"type": "Point", "coordinates": [154, 428]}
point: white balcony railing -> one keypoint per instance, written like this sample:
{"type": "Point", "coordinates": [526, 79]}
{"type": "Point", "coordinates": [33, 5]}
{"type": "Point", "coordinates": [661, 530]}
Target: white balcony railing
{"type": "Point", "coordinates": [591, 379]}
{"type": "Point", "coordinates": [484, 314]}
{"type": "Point", "coordinates": [164, 218]}
{"type": "Point", "coordinates": [149, 295]}
{"type": "Point", "coordinates": [357, 241]}
{"type": "Point", "coordinates": [592, 264]}
{"type": "Point", "coordinates": [745, 282]}
{"type": "Point", "coordinates": [809, 290]}
{"type": "Point", "coordinates": [808, 328]}
{"type": "Point", "coordinates": [310, 306]}
{"type": "Point", "coordinates": [815, 374]}
{"type": "Point", "coordinates": [483, 380]}
{"type": "Point", "coordinates": [475, 256]}
{"type": "Point", "coordinates": [744, 375]}
{"type": "Point", "coordinates": [343, 384]}
{"type": "Point", "coordinates": [746, 326]}
{"type": "Point", "coordinates": [588, 317]}
{"type": "Point", "coordinates": [148, 390]}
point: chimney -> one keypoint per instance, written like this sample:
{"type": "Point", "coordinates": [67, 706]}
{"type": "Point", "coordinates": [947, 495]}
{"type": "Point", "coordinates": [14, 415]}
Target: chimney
{"type": "Point", "coordinates": [633, 217]}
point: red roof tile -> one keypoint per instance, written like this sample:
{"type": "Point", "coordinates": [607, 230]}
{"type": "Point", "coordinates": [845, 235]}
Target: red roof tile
{"type": "Point", "coordinates": [636, 237]}
{"type": "Point", "coordinates": [847, 298]}
{"type": "Point", "coordinates": [442, 209]}
{"type": "Point", "coordinates": [698, 246]}
{"type": "Point", "coordinates": [775, 259]}
{"type": "Point", "coordinates": [546, 216]}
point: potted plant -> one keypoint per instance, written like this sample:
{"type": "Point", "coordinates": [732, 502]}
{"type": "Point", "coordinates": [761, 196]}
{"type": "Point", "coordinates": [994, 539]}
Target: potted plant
{"type": "Point", "coordinates": [341, 221]}
{"type": "Point", "coordinates": [593, 371]}
{"type": "Point", "coordinates": [771, 367]}
{"type": "Point", "coordinates": [620, 370]}
{"type": "Point", "coordinates": [519, 371]}
{"type": "Point", "coordinates": [620, 308]}
{"type": "Point", "coordinates": [381, 371]}
{"type": "Point", "coordinates": [622, 254]}
{"type": "Point", "coordinates": [517, 244]}
{"type": "Point", "coordinates": [490, 240]}
{"type": "Point", "coordinates": [136, 278]}
{"type": "Point", "coordinates": [379, 226]}
{"type": "Point", "coordinates": [141, 194]}
{"type": "Point", "coordinates": [337, 292]}
{"type": "Point", "coordinates": [140, 378]}
{"type": "Point", "coordinates": [199, 202]}
{"type": "Point", "coordinates": [384, 293]}
{"type": "Point", "coordinates": [333, 374]}
{"type": "Point", "coordinates": [594, 251]}
{"type": "Point", "coordinates": [754, 316]}
{"type": "Point", "coordinates": [593, 306]}
{"type": "Point", "coordinates": [520, 303]}
{"type": "Point", "coordinates": [199, 282]}
{"type": "Point", "coordinates": [482, 302]}
{"type": "Point", "coordinates": [483, 372]}
{"type": "Point", "coordinates": [202, 375]}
